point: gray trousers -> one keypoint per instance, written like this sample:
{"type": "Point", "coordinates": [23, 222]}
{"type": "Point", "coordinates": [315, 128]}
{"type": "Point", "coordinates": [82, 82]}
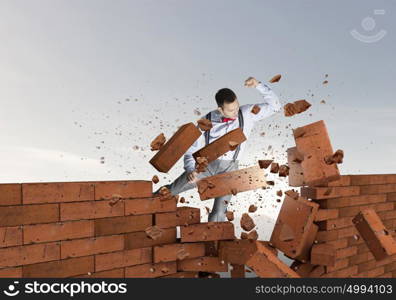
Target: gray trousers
{"type": "Point", "coordinates": [220, 204]}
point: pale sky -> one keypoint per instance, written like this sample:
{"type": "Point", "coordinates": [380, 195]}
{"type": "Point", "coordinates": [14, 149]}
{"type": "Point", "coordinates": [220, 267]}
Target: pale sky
{"type": "Point", "coordinates": [81, 80]}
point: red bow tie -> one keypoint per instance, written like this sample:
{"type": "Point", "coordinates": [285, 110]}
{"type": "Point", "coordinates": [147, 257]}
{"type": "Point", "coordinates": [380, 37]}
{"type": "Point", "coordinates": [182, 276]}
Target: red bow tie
{"type": "Point", "coordinates": [226, 119]}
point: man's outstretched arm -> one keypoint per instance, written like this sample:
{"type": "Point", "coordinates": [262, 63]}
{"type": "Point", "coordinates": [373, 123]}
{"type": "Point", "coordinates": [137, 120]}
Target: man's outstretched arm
{"type": "Point", "coordinates": [189, 161]}
{"type": "Point", "coordinates": [270, 104]}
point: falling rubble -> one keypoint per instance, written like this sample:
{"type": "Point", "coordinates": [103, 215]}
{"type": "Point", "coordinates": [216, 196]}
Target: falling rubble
{"type": "Point", "coordinates": [334, 226]}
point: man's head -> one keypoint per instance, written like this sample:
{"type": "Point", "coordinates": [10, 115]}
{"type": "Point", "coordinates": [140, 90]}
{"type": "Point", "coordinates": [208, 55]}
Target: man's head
{"type": "Point", "coordinates": [227, 103]}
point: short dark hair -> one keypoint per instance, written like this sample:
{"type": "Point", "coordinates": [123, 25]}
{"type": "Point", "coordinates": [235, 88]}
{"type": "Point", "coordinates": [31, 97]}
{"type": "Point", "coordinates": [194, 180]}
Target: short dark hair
{"type": "Point", "coordinates": [225, 95]}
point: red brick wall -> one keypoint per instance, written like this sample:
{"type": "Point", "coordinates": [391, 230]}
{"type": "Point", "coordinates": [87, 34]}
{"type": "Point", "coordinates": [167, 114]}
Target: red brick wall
{"type": "Point", "coordinates": [339, 203]}
{"type": "Point", "coordinates": [78, 229]}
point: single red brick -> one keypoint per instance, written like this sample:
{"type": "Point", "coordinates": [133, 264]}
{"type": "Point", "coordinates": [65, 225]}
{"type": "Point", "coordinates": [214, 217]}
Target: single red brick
{"type": "Point", "coordinates": [343, 273]}
{"type": "Point", "coordinates": [293, 233]}
{"type": "Point", "coordinates": [60, 269]}
{"type": "Point", "coordinates": [326, 214]}
{"type": "Point", "coordinates": [313, 143]}
{"type": "Point", "coordinates": [20, 255]}
{"type": "Point", "coordinates": [151, 270]}
{"type": "Point", "coordinates": [10, 194]}
{"type": "Point", "coordinates": [352, 201]}
{"type": "Point", "coordinates": [339, 264]}
{"type": "Point", "coordinates": [221, 145]}
{"type": "Point", "coordinates": [57, 192]}
{"type": "Point", "coordinates": [123, 189]}
{"type": "Point", "coordinates": [179, 251]}
{"type": "Point", "coordinates": [116, 273]}
{"type": "Point", "coordinates": [90, 210]}
{"type": "Point", "coordinates": [140, 239]}
{"type": "Point", "coordinates": [335, 223]}
{"type": "Point", "coordinates": [346, 252]}
{"type": "Point", "coordinates": [319, 193]}
{"type": "Point", "coordinates": [57, 231]}
{"type": "Point", "coordinates": [266, 264]}
{"type": "Point", "coordinates": [338, 244]}
{"type": "Point", "coordinates": [188, 215]}
{"type": "Point", "coordinates": [175, 148]}
{"type": "Point", "coordinates": [377, 189]}
{"type": "Point", "coordinates": [373, 179]}
{"type": "Point", "coordinates": [151, 205]}
{"type": "Point", "coordinates": [124, 258]}
{"type": "Point", "coordinates": [359, 258]}
{"type": "Point", "coordinates": [345, 180]}
{"type": "Point", "coordinates": [10, 236]}
{"type": "Point", "coordinates": [354, 210]}
{"type": "Point", "coordinates": [90, 246]}
{"type": "Point", "coordinates": [203, 264]}
{"type": "Point", "coordinates": [116, 225]}
{"type": "Point", "coordinates": [323, 254]}
{"type": "Point", "coordinates": [377, 237]}
{"type": "Point", "coordinates": [210, 231]}
{"type": "Point", "coordinates": [28, 214]}
{"type": "Point", "coordinates": [182, 275]}
{"type": "Point", "coordinates": [165, 220]}
{"type": "Point", "coordinates": [231, 183]}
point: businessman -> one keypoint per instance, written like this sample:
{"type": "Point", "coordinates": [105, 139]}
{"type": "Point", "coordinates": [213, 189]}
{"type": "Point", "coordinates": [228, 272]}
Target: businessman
{"type": "Point", "coordinates": [228, 116]}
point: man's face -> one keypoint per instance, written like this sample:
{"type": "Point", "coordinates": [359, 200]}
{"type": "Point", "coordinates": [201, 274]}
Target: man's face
{"type": "Point", "coordinates": [230, 110]}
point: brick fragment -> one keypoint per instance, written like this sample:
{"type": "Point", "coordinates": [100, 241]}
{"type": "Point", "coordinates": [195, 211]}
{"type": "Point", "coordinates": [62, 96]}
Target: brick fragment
{"type": "Point", "coordinates": [204, 124]}
{"type": "Point", "coordinates": [275, 78]}
{"type": "Point", "coordinates": [299, 106]}
{"type": "Point", "coordinates": [264, 164]}
{"type": "Point", "coordinates": [158, 142]}
{"type": "Point", "coordinates": [247, 222]}
{"type": "Point", "coordinates": [274, 168]}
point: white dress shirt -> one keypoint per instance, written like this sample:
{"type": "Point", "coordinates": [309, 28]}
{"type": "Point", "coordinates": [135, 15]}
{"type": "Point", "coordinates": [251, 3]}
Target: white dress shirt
{"type": "Point", "coordinates": [268, 107]}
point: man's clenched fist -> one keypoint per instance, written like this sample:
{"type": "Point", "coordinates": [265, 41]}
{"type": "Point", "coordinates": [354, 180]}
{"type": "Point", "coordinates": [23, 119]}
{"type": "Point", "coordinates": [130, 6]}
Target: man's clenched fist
{"type": "Point", "coordinates": [251, 82]}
